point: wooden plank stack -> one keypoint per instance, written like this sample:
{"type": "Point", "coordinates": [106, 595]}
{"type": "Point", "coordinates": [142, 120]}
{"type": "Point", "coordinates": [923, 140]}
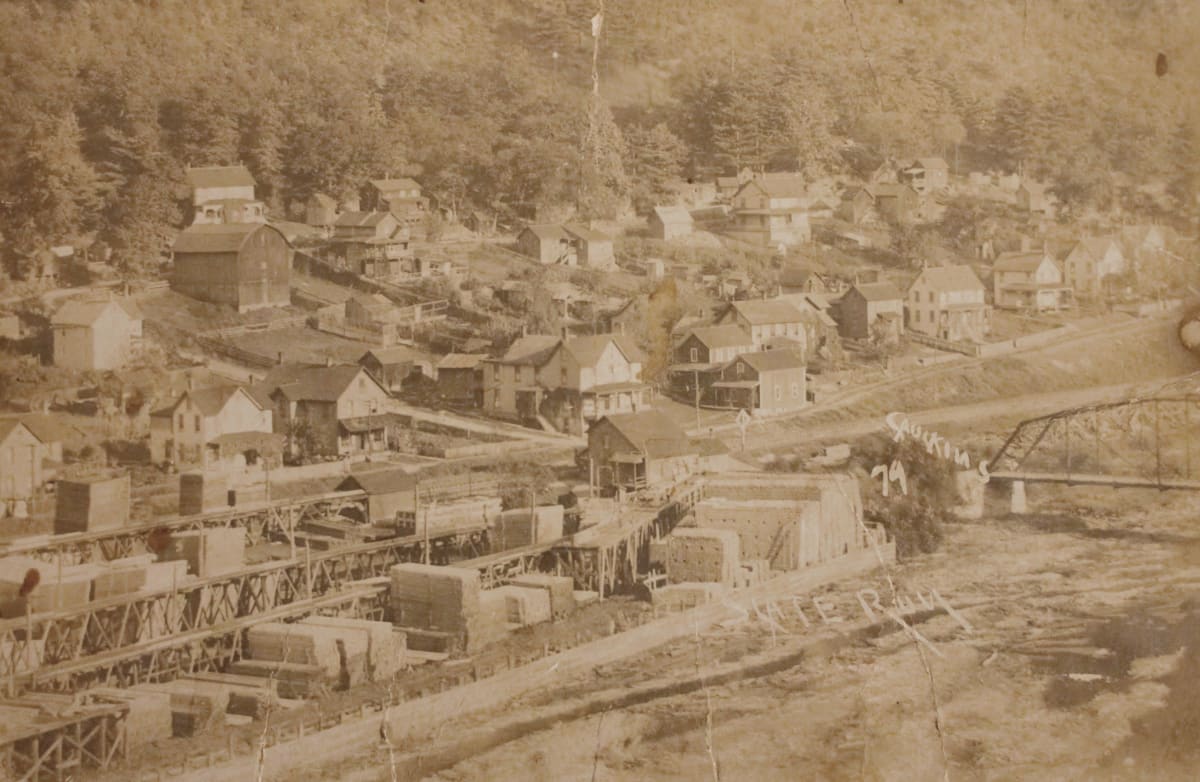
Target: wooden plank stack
{"type": "Point", "coordinates": [526, 605]}
{"type": "Point", "coordinates": [90, 504]}
{"type": "Point", "coordinates": [201, 492]}
{"type": "Point", "coordinates": [340, 653]}
{"type": "Point", "coordinates": [704, 555]}
{"type": "Point", "coordinates": [196, 706]}
{"type": "Point", "coordinates": [492, 624]}
{"type": "Point", "coordinates": [385, 646]}
{"type": "Point", "coordinates": [249, 696]}
{"type": "Point", "coordinates": [121, 576]}
{"type": "Point", "coordinates": [522, 527]}
{"type": "Point", "coordinates": [446, 600]}
{"type": "Point", "coordinates": [149, 717]}
{"type": "Point", "coordinates": [561, 589]}
{"type": "Point", "coordinates": [292, 680]}
{"type": "Point", "coordinates": [58, 589]}
{"type": "Point", "coordinates": [208, 552]}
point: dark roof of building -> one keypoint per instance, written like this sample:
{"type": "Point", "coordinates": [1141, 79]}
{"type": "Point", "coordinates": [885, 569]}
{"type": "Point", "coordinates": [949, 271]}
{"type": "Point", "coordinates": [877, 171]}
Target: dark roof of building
{"type": "Point", "coordinates": [887, 189]}
{"type": "Point", "coordinates": [534, 349]}
{"type": "Point", "coordinates": [773, 360]}
{"type": "Point", "coordinates": [586, 233]}
{"type": "Point", "coordinates": [950, 278]}
{"type": "Point", "coordinates": [587, 350]}
{"type": "Point", "coordinates": [220, 176]}
{"type": "Point", "coordinates": [652, 432]}
{"type": "Point", "coordinates": [391, 185]}
{"type": "Point", "coordinates": [795, 276]}
{"type": "Point", "coordinates": [397, 354]}
{"type": "Point", "coordinates": [762, 311]}
{"type": "Point", "coordinates": [781, 185]}
{"type": "Point", "coordinates": [878, 291]}
{"type": "Point", "coordinates": [380, 481]}
{"type": "Point", "coordinates": [461, 361]}
{"type": "Point", "coordinates": [321, 384]}
{"type": "Point", "coordinates": [548, 232]}
{"type": "Point", "coordinates": [362, 219]}
{"type": "Point", "coordinates": [219, 238]}
{"type": "Point", "coordinates": [1028, 261]}
{"type": "Point", "coordinates": [323, 200]}
{"type": "Point", "coordinates": [673, 214]}
{"type": "Point", "coordinates": [84, 313]}
{"type": "Point", "coordinates": [728, 335]}
{"type": "Point", "coordinates": [210, 401]}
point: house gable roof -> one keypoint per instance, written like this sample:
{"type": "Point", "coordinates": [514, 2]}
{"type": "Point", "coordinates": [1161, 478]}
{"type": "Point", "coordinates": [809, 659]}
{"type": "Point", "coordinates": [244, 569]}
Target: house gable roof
{"type": "Point", "coordinates": [772, 360]}
{"type": "Point", "coordinates": [758, 312]}
{"type": "Point", "coordinates": [532, 349]}
{"type": "Point", "coordinates": [1020, 261]}
{"type": "Point", "coordinates": [220, 176]}
{"type": "Point", "coordinates": [362, 219]}
{"type": "Point", "coordinates": [651, 432]}
{"type": "Point", "coordinates": [669, 215]}
{"type": "Point", "coordinates": [211, 401]}
{"type": "Point", "coordinates": [949, 278]}
{"type": "Point", "coordinates": [392, 185]}
{"type": "Point", "coordinates": [1096, 246]}
{"type": "Point", "coordinates": [587, 350]}
{"type": "Point", "coordinates": [85, 313]}
{"type": "Point", "coordinates": [380, 481]}
{"type": "Point", "coordinates": [878, 291]}
{"type": "Point", "coordinates": [318, 384]}
{"type": "Point", "coordinates": [728, 335]}
{"type": "Point", "coordinates": [585, 233]}
{"type": "Point", "coordinates": [548, 233]}
{"type": "Point", "coordinates": [397, 354]}
{"type": "Point", "coordinates": [461, 361]}
{"type": "Point", "coordinates": [219, 238]}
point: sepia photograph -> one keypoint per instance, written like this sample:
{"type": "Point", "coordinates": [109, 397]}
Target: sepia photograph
{"type": "Point", "coordinates": [599, 390]}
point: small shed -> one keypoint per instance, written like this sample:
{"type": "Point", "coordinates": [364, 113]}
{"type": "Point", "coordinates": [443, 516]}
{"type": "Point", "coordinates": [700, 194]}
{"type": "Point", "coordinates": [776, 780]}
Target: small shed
{"type": "Point", "coordinates": [670, 222]}
{"type": "Point", "coordinates": [389, 493]}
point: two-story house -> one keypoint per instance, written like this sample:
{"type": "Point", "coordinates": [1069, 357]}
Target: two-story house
{"type": "Point", "coordinates": [1028, 281]}
{"type": "Point", "coordinates": [1092, 261]}
{"type": "Point", "coordinates": [328, 411]}
{"type": "Point", "coordinates": [211, 427]}
{"type": "Point", "coordinates": [699, 357]}
{"type": "Point", "coordinates": [766, 382]}
{"type": "Point", "coordinates": [948, 302]}
{"type": "Point", "coordinates": [871, 311]}
{"type": "Point", "coordinates": [96, 336]}
{"type": "Point", "coordinates": [216, 184]}
{"type": "Point", "coordinates": [767, 320]}
{"type": "Point", "coordinates": [772, 210]}
{"type": "Point", "coordinates": [401, 196]}
{"type": "Point", "coordinates": [372, 244]}
{"type": "Point", "coordinates": [510, 383]}
{"type": "Point", "coordinates": [589, 377]}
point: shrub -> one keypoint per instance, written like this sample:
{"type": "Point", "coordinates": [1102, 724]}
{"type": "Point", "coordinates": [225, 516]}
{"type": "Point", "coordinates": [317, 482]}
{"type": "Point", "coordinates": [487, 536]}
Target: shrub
{"type": "Point", "coordinates": [914, 519]}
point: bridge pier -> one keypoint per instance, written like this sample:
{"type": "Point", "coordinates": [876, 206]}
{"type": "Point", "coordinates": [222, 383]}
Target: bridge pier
{"type": "Point", "coordinates": [1018, 502]}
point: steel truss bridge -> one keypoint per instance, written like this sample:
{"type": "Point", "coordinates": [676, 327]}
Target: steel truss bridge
{"type": "Point", "coordinates": [1135, 443]}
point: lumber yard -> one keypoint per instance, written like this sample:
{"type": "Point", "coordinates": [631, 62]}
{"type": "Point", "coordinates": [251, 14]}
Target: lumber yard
{"type": "Point", "coordinates": [124, 642]}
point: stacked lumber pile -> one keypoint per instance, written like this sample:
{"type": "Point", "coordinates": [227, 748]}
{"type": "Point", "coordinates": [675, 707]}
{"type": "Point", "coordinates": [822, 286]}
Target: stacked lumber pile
{"type": "Point", "coordinates": [291, 680]}
{"type": "Point", "coordinates": [445, 601]}
{"type": "Point", "coordinates": [149, 713]}
{"type": "Point", "coordinates": [161, 576]}
{"type": "Point", "coordinates": [561, 589]}
{"type": "Point", "coordinates": [680, 597]}
{"type": "Point", "coordinates": [524, 527]}
{"type": "Point", "coordinates": [340, 653]}
{"type": "Point", "coordinates": [121, 576]}
{"type": "Point", "coordinates": [196, 706]}
{"type": "Point", "coordinates": [525, 605]}
{"type": "Point", "coordinates": [385, 646]}
{"type": "Point", "coordinates": [57, 589]}
{"type": "Point", "coordinates": [201, 492]}
{"type": "Point", "coordinates": [492, 624]}
{"type": "Point", "coordinates": [705, 555]}
{"type": "Point", "coordinates": [208, 552]}
{"type": "Point", "coordinates": [90, 504]}
{"type": "Point", "coordinates": [249, 696]}
{"type": "Point", "coordinates": [27, 656]}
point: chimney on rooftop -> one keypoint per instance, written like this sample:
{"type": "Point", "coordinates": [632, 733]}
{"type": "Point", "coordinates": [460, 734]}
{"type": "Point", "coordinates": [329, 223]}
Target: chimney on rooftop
{"type": "Point", "coordinates": [191, 382]}
{"type": "Point", "coordinates": [329, 361]}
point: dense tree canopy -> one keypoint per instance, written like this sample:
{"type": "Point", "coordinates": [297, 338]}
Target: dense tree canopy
{"type": "Point", "coordinates": [106, 103]}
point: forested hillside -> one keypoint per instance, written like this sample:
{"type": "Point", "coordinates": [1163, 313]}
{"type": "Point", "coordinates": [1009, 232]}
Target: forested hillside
{"type": "Point", "coordinates": [106, 101]}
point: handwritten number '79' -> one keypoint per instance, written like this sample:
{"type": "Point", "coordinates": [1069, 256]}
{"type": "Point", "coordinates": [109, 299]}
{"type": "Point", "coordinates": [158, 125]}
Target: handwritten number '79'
{"type": "Point", "coordinates": [891, 474]}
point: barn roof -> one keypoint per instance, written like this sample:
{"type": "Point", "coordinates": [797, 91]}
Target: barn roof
{"type": "Point", "coordinates": [220, 176]}
{"type": "Point", "coordinates": [220, 238]}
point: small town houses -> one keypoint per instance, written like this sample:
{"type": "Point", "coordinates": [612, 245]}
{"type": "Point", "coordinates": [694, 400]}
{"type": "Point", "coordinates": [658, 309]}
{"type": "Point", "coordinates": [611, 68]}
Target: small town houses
{"type": "Point", "coordinates": [568, 244]}
{"type": "Point", "coordinates": [31, 451]}
{"type": "Point", "coordinates": [772, 210]}
{"type": "Point", "coordinates": [1091, 263]}
{"type": "Point", "coordinates": [221, 427]}
{"type": "Point", "coordinates": [1028, 281]}
{"type": "Point", "coordinates": [337, 410]}
{"type": "Point", "coordinates": [948, 303]}
{"type": "Point", "coordinates": [871, 311]}
{"type": "Point", "coordinates": [766, 382]}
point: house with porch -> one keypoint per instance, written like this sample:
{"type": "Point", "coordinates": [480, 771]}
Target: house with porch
{"type": "Point", "coordinates": [338, 411]}
{"type": "Point", "coordinates": [373, 244]}
{"type": "Point", "coordinates": [589, 377]}
{"type": "Point", "coordinates": [699, 357]}
{"type": "Point", "coordinates": [1091, 262]}
{"type": "Point", "coordinates": [222, 427]}
{"type": "Point", "coordinates": [772, 210]}
{"type": "Point", "coordinates": [767, 319]}
{"type": "Point", "coordinates": [633, 451]}
{"type": "Point", "coordinates": [510, 383]}
{"type": "Point", "coordinates": [767, 382]}
{"type": "Point", "coordinates": [948, 302]}
{"type": "Point", "coordinates": [1028, 281]}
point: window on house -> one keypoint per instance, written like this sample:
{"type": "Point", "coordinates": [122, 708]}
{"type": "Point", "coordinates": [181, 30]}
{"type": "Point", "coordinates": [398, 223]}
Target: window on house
{"type": "Point", "coordinates": [778, 392]}
{"type": "Point", "coordinates": [694, 355]}
{"type": "Point", "coordinates": [197, 423]}
{"type": "Point", "coordinates": [181, 423]}
{"type": "Point", "coordinates": [795, 390]}
{"type": "Point", "coordinates": [741, 369]}
{"type": "Point", "coordinates": [931, 297]}
{"type": "Point", "coordinates": [916, 316]}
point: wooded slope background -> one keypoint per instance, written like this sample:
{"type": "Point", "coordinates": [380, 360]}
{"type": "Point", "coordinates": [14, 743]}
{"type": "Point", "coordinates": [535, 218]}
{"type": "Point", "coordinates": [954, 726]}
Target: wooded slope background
{"type": "Point", "coordinates": [106, 101]}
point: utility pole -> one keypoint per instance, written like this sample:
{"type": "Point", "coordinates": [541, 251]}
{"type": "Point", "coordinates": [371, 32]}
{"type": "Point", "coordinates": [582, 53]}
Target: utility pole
{"type": "Point", "coordinates": [696, 389]}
